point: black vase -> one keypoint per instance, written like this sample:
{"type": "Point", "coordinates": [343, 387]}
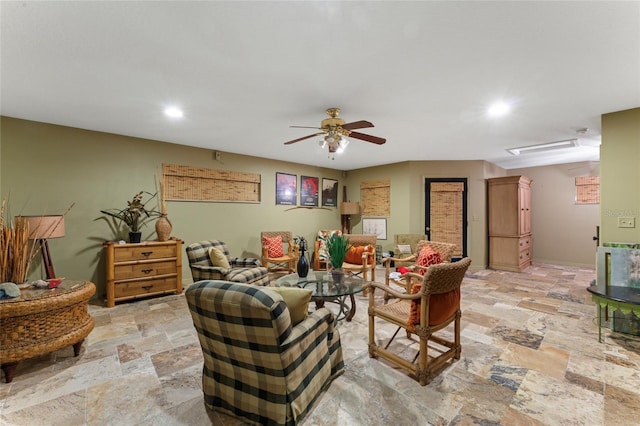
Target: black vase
{"type": "Point", "coordinates": [135, 237]}
{"type": "Point", "coordinates": [303, 266]}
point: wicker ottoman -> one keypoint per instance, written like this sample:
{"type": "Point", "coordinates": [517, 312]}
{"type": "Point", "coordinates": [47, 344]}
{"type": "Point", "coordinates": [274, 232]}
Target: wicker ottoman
{"type": "Point", "coordinates": [42, 321]}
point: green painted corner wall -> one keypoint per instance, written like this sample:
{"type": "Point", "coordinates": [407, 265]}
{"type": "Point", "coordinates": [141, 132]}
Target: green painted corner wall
{"type": "Point", "coordinates": [620, 175]}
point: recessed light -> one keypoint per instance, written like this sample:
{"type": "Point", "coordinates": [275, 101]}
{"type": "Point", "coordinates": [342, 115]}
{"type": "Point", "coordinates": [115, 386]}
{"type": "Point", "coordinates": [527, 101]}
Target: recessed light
{"type": "Point", "coordinates": [498, 109]}
{"type": "Point", "coordinates": [173, 112]}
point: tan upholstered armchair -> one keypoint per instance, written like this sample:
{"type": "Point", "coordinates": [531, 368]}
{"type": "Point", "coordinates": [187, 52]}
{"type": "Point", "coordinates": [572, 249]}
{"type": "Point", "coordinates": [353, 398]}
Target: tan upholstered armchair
{"type": "Point", "coordinates": [361, 258]}
{"type": "Point", "coordinates": [431, 306]}
{"type": "Point", "coordinates": [279, 251]}
{"type": "Point", "coordinates": [258, 364]}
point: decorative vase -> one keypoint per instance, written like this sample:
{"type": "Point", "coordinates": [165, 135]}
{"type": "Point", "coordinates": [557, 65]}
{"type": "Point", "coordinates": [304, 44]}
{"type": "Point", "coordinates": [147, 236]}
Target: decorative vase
{"type": "Point", "coordinates": [163, 228]}
{"type": "Point", "coordinates": [303, 265]}
{"type": "Point", "coordinates": [337, 274]}
{"type": "Point", "coordinates": [135, 237]}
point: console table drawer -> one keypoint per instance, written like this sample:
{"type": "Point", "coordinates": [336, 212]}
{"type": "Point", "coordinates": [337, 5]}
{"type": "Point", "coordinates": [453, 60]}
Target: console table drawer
{"type": "Point", "coordinates": [128, 270]}
{"type": "Point", "coordinates": [125, 253]}
{"type": "Point", "coordinates": [133, 289]}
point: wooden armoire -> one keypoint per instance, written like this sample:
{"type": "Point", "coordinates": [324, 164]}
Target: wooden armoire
{"type": "Point", "coordinates": [509, 202]}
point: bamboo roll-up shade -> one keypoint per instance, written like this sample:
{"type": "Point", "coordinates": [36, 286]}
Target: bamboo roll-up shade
{"type": "Point", "coordinates": [375, 198]}
{"type": "Point", "coordinates": [588, 190]}
{"type": "Point", "coordinates": [186, 183]}
{"type": "Point", "coordinates": [446, 213]}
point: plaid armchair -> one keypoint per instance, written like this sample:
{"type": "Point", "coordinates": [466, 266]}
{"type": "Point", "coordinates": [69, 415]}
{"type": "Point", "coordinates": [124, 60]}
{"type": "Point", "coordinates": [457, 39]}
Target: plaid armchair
{"type": "Point", "coordinates": [257, 366]}
{"type": "Point", "coordinates": [242, 270]}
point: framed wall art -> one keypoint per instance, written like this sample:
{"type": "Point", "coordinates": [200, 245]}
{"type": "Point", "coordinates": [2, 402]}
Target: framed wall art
{"type": "Point", "coordinates": [286, 189]}
{"type": "Point", "coordinates": [377, 226]}
{"type": "Point", "coordinates": [329, 193]}
{"type": "Point", "coordinates": [309, 191]}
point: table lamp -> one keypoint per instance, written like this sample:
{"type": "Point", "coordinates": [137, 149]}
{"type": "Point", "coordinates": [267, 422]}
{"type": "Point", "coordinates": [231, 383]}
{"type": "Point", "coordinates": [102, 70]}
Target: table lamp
{"type": "Point", "coordinates": [41, 228]}
{"type": "Point", "coordinates": [347, 208]}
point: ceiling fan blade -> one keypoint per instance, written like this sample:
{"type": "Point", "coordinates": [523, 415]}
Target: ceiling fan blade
{"type": "Point", "coordinates": [303, 138]}
{"type": "Point", "coordinates": [368, 138]}
{"type": "Point", "coordinates": [357, 125]}
{"type": "Point", "coordinates": [306, 127]}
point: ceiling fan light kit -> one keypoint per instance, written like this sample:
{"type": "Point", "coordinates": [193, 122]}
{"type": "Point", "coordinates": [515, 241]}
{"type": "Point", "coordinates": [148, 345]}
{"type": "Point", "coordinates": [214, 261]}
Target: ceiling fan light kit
{"type": "Point", "coordinates": [335, 130]}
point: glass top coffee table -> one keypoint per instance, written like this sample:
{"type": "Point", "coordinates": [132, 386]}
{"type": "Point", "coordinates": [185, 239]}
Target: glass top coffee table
{"type": "Point", "coordinates": [326, 289]}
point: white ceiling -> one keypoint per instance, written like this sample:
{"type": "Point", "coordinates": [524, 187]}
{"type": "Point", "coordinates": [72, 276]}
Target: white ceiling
{"type": "Point", "coordinates": [422, 72]}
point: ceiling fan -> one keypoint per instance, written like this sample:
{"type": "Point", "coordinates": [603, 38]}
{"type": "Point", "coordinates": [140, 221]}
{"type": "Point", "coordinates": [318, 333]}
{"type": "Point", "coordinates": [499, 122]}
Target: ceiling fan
{"type": "Point", "coordinates": [335, 128]}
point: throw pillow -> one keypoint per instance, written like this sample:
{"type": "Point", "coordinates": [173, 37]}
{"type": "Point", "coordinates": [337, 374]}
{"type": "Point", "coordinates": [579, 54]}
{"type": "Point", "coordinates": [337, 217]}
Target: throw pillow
{"type": "Point", "coordinates": [218, 258]}
{"type": "Point", "coordinates": [441, 307]}
{"type": "Point", "coordinates": [274, 246]}
{"type": "Point", "coordinates": [427, 257]}
{"type": "Point", "coordinates": [354, 255]}
{"type": "Point", "coordinates": [297, 300]}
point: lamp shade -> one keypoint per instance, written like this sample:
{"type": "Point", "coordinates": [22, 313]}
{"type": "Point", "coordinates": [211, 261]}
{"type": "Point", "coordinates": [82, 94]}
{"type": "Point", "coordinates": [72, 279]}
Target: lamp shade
{"type": "Point", "coordinates": [350, 207]}
{"type": "Point", "coordinates": [44, 227]}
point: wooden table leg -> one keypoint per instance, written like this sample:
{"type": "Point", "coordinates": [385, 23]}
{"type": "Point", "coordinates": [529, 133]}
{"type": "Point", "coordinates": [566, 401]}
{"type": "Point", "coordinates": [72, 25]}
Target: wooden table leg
{"type": "Point", "coordinates": [9, 369]}
{"type": "Point", "coordinates": [76, 348]}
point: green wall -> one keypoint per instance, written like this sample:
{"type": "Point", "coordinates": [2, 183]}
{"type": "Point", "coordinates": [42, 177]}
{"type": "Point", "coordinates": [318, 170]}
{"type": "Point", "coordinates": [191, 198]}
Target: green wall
{"type": "Point", "coordinates": [408, 198]}
{"type": "Point", "coordinates": [620, 175]}
{"type": "Point", "coordinates": [45, 168]}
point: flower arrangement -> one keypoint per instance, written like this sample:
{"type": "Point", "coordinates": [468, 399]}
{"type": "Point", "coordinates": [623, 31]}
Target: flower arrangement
{"type": "Point", "coordinates": [136, 213]}
{"type": "Point", "coordinates": [337, 247]}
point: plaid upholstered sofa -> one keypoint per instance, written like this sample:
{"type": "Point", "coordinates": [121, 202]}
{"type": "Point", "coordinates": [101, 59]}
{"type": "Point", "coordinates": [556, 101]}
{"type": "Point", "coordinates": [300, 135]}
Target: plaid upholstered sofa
{"type": "Point", "coordinates": [257, 365]}
{"type": "Point", "coordinates": [242, 270]}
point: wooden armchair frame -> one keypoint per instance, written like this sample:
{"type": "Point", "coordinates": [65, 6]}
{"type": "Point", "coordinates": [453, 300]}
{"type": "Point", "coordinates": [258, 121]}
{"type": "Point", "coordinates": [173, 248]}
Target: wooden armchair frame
{"type": "Point", "coordinates": [286, 263]}
{"type": "Point", "coordinates": [445, 249]}
{"type": "Point", "coordinates": [438, 279]}
{"type": "Point", "coordinates": [368, 258]}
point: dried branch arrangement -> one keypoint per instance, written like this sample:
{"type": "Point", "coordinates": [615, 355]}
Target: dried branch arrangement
{"type": "Point", "coordinates": [16, 250]}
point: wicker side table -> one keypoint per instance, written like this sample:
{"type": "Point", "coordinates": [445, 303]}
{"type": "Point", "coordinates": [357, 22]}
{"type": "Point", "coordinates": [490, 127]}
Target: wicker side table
{"type": "Point", "coordinates": [42, 321]}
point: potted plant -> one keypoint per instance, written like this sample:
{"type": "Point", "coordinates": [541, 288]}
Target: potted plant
{"type": "Point", "coordinates": [337, 247]}
{"type": "Point", "coordinates": [134, 215]}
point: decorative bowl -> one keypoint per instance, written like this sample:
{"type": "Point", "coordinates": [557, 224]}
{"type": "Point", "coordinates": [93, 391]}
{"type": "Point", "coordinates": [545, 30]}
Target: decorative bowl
{"type": "Point", "coordinates": [54, 282]}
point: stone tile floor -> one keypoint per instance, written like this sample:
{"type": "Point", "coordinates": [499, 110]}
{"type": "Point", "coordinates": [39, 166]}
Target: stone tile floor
{"type": "Point", "coordinates": [530, 356]}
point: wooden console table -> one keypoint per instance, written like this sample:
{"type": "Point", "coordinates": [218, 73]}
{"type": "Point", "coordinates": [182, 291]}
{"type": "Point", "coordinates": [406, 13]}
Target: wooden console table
{"type": "Point", "coordinates": [626, 299]}
{"type": "Point", "coordinates": [42, 321]}
{"type": "Point", "coordinates": [150, 268]}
